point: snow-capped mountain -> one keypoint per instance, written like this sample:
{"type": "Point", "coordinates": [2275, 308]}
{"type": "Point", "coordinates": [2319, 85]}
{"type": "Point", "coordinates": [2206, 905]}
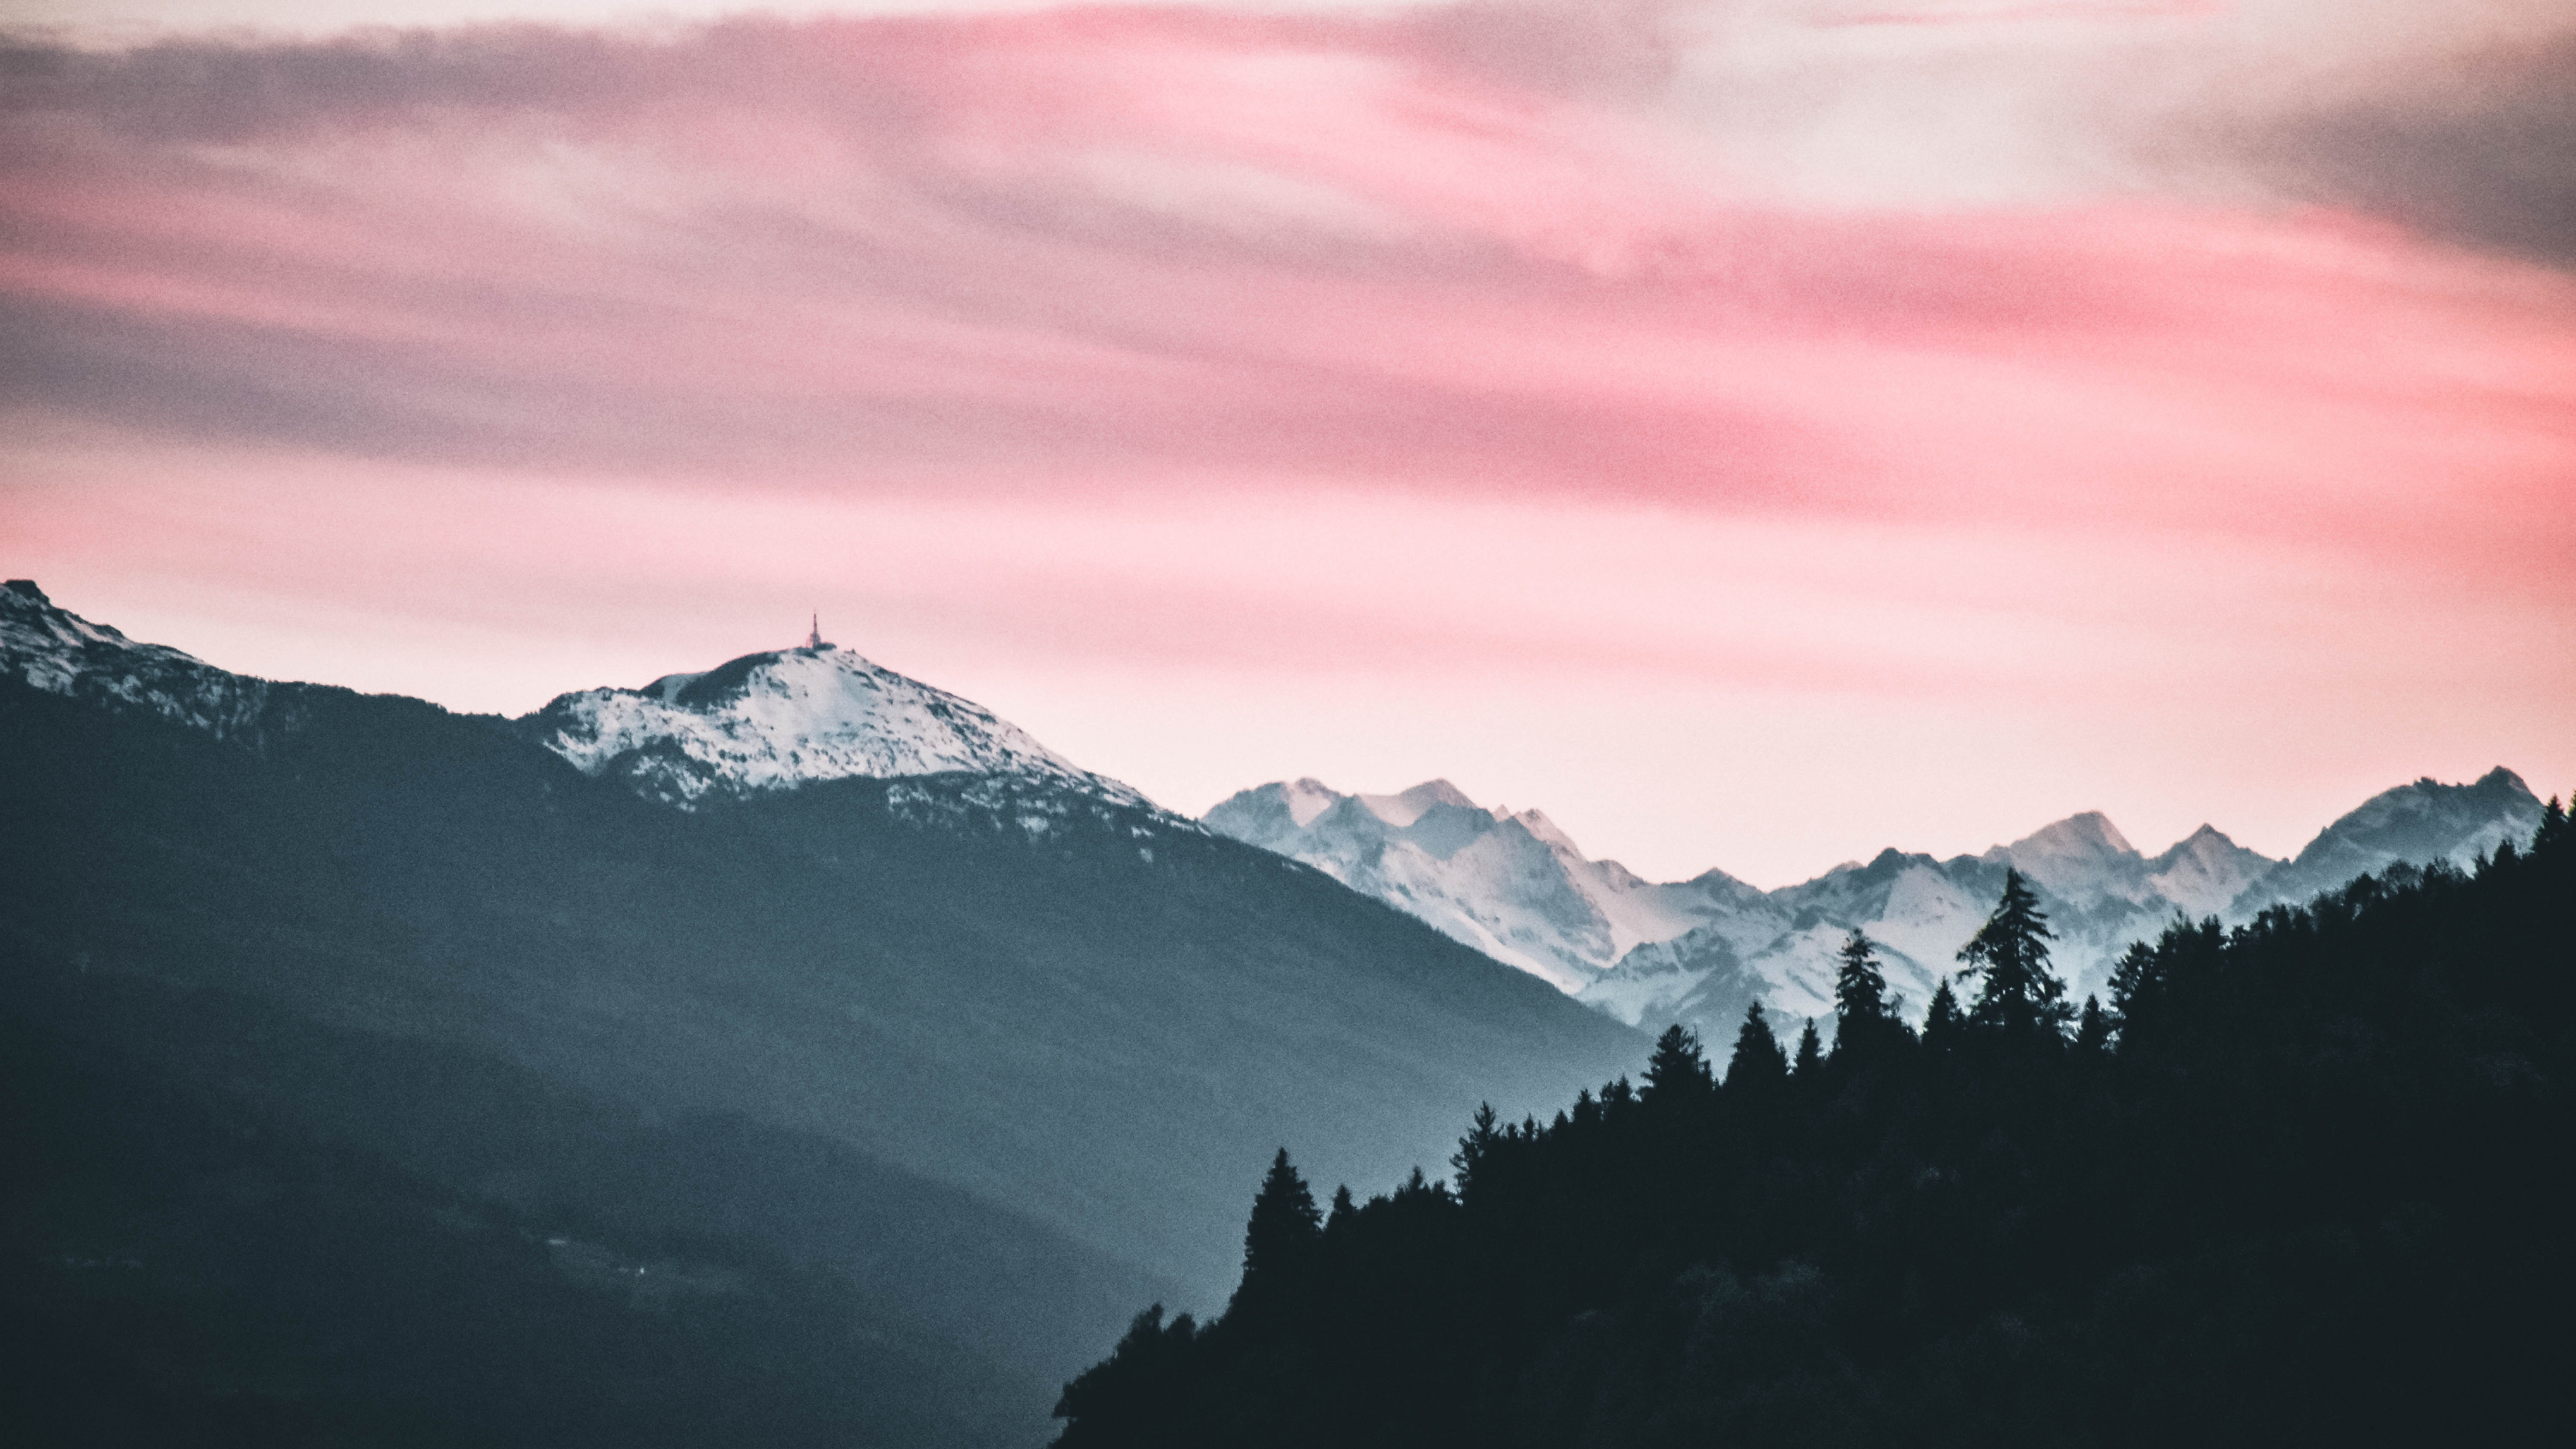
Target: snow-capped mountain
{"type": "Point", "coordinates": [2204, 872]}
{"type": "Point", "coordinates": [1514, 886]}
{"type": "Point", "coordinates": [2099, 892]}
{"type": "Point", "coordinates": [771, 721]}
{"type": "Point", "coordinates": [1700, 951]}
{"type": "Point", "coordinates": [2418, 823]}
{"type": "Point", "coordinates": [753, 725]}
{"type": "Point", "coordinates": [62, 653]}
{"type": "Point", "coordinates": [1006, 1080]}
{"type": "Point", "coordinates": [1510, 884]}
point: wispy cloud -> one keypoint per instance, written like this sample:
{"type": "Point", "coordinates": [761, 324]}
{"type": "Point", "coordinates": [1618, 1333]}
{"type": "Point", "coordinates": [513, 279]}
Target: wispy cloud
{"type": "Point", "coordinates": [2161, 294]}
{"type": "Point", "coordinates": [1108, 239]}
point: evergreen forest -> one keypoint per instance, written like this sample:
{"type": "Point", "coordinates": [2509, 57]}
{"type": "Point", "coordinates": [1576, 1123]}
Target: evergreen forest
{"type": "Point", "coordinates": [2299, 1182]}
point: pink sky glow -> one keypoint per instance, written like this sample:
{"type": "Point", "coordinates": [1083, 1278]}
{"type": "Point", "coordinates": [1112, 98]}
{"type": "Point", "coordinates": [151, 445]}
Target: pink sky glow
{"type": "Point", "coordinates": [1754, 434]}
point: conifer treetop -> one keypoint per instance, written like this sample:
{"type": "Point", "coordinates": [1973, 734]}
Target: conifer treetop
{"type": "Point", "coordinates": [2017, 994]}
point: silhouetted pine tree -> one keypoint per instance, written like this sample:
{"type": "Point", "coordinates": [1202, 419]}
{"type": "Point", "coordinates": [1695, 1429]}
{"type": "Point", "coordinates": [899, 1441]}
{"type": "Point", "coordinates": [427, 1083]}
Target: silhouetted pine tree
{"type": "Point", "coordinates": [1811, 1054]}
{"type": "Point", "coordinates": [1586, 1111]}
{"type": "Point", "coordinates": [1758, 1063]}
{"type": "Point", "coordinates": [1860, 988]}
{"type": "Point", "coordinates": [1474, 1147]}
{"type": "Point", "coordinates": [2133, 977]}
{"type": "Point", "coordinates": [1278, 1241]}
{"type": "Point", "coordinates": [1943, 1028]}
{"type": "Point", "coordinates": [2093, 1029]}
{"type": "Point", "coordinates": [2018, 996]}
{"type": "Point", "coordinates": [1864, 1014]}
{"type": "Point", "coordinates": [1677, 1069]}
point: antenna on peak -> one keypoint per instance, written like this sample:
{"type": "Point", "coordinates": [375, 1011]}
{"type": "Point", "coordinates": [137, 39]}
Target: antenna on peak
{"type": "Point", "coordinates": [815, 639]}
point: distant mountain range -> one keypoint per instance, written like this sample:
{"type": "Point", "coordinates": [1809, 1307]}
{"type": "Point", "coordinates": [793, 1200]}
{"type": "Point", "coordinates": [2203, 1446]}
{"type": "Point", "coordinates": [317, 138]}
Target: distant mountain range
{"type": "Point", "coordinates": [1510, 884]}
{"type": "Point", "coordinates": [1698, 951]}
{"type": "Point", "coordinates": [785, 1053]}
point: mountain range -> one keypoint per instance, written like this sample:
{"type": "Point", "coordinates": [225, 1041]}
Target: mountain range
{"type": "Point", "coordinates": [1699, 951]}
{"type": "Point", "coordinates": [789, 1052]}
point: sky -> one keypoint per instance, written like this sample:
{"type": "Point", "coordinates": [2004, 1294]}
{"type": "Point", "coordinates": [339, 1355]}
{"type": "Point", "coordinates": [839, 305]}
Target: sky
{"type": "Point", "coordinates": [1755, 433]}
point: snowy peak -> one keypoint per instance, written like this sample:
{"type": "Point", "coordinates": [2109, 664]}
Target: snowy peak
{"type": "Point", "coordinates": [1510, 884]}
{"type": "Point", "coordinates": [2204, 872]}
{"type": "Point", "coordinates": [53, 649]}
{"type": "Point", "coordinates": [1546, 832]}
{"type": "Point", "coordinates": [2418, 824]}
{"type": "Point", "coordinates": [772, 721]}
{"type": "Point", "coordinates": [1305, 800]}
{"type": "Point", "coordinates": [1402, 810]}
{"type": "Point", "coordinates": [2082, 856]}
{"type": "Point", "coordinates": [2089, 836]}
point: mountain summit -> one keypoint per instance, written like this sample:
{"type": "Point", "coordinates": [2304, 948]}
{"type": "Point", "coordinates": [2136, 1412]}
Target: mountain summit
{"type": "Point", "coordinates": [771, 721]}
{"type": "Point", "coordinates": [57, 651]}
{"type": "Point", "coordinates": [2418, 824]}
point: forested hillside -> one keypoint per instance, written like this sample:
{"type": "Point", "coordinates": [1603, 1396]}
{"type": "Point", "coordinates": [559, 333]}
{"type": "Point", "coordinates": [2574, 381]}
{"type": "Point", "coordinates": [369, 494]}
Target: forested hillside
{"type": "Point", "coordinates": [371, 1071]}
{"type": "Point", "coordinates": [2300, 1182]}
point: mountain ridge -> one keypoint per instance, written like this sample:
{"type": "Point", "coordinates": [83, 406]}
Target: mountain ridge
{"type": "Point", "coordinates": [857, 987]}
{"type": "Point", "coordinates": [1703, 950]}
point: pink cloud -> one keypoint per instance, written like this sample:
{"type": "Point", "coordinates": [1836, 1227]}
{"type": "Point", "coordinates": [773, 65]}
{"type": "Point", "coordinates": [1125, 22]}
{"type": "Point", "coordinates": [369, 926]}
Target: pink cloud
{"type": "Point", "coordinates": [1258, 359]}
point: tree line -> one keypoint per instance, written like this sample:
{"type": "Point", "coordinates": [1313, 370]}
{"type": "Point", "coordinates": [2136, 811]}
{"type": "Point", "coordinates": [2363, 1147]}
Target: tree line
{"type": "Point", "coordinates": [2299, 1180]}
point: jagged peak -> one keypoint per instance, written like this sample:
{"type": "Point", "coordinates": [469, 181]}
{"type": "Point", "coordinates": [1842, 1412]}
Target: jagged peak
{"type": "Point", "coordinates": [1544, 830]}
{"type": "Point", "coordinates": [1618, 874]}
{"type": "Point", "coordinates": [1407, 806]}
{"type": "Point", "coordinates": [2497, 781]}
{"type": "Point", "coordinates": [2089, 832]}
{"type": "Point", "coordinates": [53, 649]}
{"type": "Point", "coordinates": [1439, 792]}
{"type": "Point", "coordinates": [46, 638]}
{"type": "Point", "coordinates": [1307, 799]}
{"type": "Point", "coordinates": [2207, 843]}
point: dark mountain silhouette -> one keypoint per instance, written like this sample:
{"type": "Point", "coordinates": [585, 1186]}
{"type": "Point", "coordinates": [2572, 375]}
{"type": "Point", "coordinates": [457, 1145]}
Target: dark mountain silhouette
{"type": "Point", "coordinates": [325, 997]}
